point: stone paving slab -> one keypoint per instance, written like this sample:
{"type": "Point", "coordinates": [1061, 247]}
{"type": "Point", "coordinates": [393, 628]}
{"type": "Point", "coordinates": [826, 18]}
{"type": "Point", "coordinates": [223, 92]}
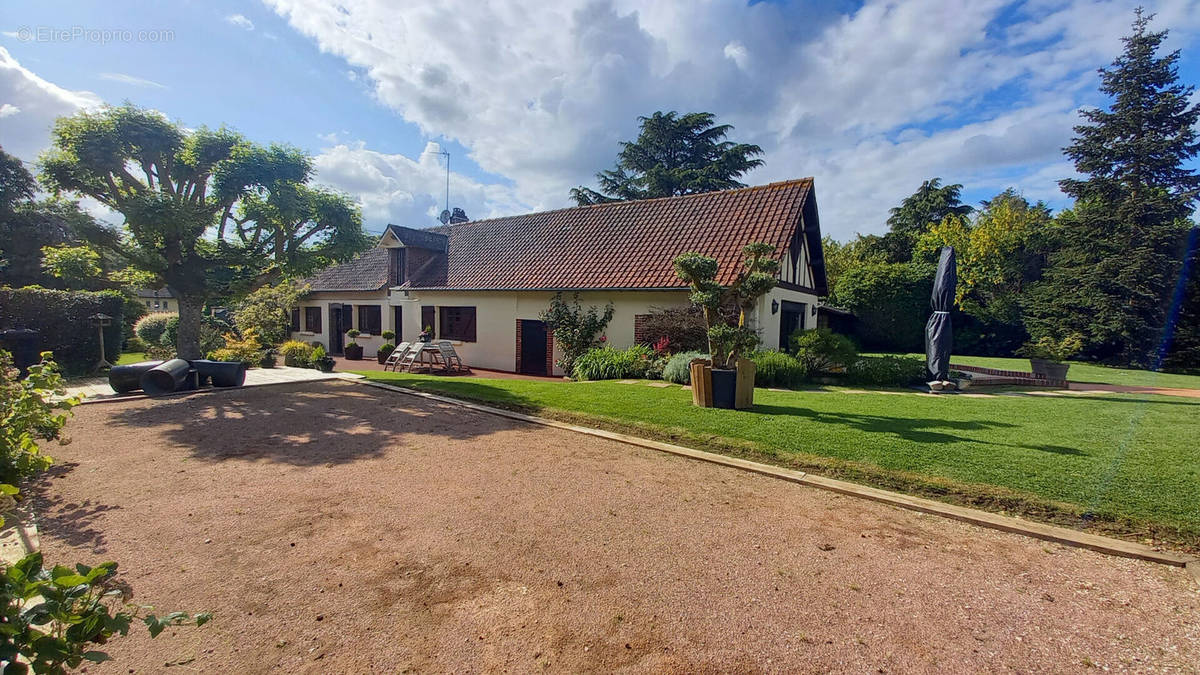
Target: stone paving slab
{"type": "Point", "coordinates": [96, 388]}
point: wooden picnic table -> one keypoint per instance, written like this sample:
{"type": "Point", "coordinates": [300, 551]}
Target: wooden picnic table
{"type": "Point", "coordinates": [428, 355]}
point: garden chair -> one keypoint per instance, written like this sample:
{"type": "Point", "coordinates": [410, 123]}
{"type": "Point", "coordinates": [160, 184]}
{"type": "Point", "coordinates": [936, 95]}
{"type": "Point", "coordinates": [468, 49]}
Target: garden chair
{"type": "Point", "coordinates": [450, 358]}
{"type": "Point", "coordinates": [398, 353]}
{"type": "Point", "coordinates": [407, 361]}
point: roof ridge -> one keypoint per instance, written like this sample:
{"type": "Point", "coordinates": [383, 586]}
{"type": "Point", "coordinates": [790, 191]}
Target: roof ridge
{"type": "Point", "coordinates": [749, 188]}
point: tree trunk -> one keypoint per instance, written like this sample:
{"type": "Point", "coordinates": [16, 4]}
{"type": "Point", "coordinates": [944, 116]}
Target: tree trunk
{"type": "Point", "coordinates": [188, 340]}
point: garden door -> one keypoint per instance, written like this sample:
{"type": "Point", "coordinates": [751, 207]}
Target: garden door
{"type": "Point", "coordinates": [337, 330]}
{"type": "Point", "coordinates": [791, 319]}
{"type": "Point", "coordinates": [533, 347]}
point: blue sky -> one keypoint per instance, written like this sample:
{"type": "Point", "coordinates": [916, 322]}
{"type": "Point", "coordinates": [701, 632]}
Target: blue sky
{"type": "Point", "coordinates": [869, 98]}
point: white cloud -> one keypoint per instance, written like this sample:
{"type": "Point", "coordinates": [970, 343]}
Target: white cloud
{"type": "Point", "coordinates": [240, 21]}
{"type": "Point", "coordinates": [31, 106]}
{"type": "Point", "coordinates": [404, 191]}
{"type": "Point", "coordinates": [131, 80]}
{"type": "Point", "coordinates": [542, 95]}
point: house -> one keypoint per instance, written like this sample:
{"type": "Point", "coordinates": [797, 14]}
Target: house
{"type": "Point", "coordinates": [482, 284]}
{"type": "Point", "coordinates": [158, 300]}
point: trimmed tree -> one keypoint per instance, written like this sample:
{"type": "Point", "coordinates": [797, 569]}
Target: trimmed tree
{"type": "Point", "coordinates": [726, 341]}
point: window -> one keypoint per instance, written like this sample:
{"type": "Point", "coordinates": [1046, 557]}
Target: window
{"type": "Point", "coordinates": [427, 317]}
{"type": "Point", "coordinates": [312, 319]}
{"type": "Point", "coordinates": [458, 323]}
{"type": "Point", "coordinates": [295, 319]}
{"type": "Point", "coordinates": [166, 304]}
{"type": "Point", "coordinates": [370, 319]}
{"type": "Point", "coordinates": [147, 303]}
{"type": "Point", "coordinates": [347, 317]}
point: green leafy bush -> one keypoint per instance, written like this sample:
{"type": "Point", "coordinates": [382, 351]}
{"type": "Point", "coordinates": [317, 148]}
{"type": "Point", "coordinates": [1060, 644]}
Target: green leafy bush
{"type": "Point", "coordinates": [244, 349]}
{"type": "Point", "coordinates": [678, 367]}
{"type": "Point", "coordinates": [822, 350]}
{"type": "Point", "coordinates": [296, 354]}
{"type": "Point", "coordinates": [606, 363]}
{"type": "Point", "coordinates": [887, 371]}
{"type": "Point", "coordinates": [575, 330]}
{"type": "Point", "coordinates": [778, 369]}
{"type": "Point", "coordinates": [29, 415]}
{"type": "Point", "coordinates": [268, 311]}
{"type": "Point", "coordinates": [150, 328]}
{"type": "Point", "coordinates": [890, 302]}
{"type": "Point", "coordinates": [61, 319]}
{"type": "Point", "coordinates": [54, 617]}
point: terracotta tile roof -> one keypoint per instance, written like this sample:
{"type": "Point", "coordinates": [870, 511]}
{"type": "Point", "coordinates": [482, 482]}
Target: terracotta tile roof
{"type": "Point", "coordinates": [616, 245]}
{"type": "Point", "coordinates": [367, 272]}
{"type": "Point", "coordinates": [624, 244]}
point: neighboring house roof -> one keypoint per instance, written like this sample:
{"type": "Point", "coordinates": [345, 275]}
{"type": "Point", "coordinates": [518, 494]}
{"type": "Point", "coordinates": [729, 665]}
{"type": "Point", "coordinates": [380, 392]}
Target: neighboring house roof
{"type": "Point", "coordinates": [154, 293]}
{"type": "Point", "coordinates": [617, 245]}
{"type": "Point", "coordinates": [432, 239]}
{"type": "Point", "coordinates": [367, 272]}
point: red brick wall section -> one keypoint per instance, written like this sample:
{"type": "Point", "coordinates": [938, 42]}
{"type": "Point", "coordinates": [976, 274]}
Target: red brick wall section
{"type": "Point", "coordinates": [639, 328]}
{"type": "Point", "coordinates": [517, 369]}
{"type": "Point", "coordinates": [549, 352]}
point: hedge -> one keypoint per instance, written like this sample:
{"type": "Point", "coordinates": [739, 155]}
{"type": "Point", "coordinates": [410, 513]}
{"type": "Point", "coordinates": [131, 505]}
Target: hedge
{"type": "Point", "coordinates": [61, 317]}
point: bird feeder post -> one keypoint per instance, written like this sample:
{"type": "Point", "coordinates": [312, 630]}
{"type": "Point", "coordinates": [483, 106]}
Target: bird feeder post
{"type": "Point", "coordinates": [101, 321]}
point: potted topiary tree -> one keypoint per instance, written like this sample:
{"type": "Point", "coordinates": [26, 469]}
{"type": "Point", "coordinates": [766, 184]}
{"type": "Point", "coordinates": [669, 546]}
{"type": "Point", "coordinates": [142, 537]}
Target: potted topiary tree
{"type": "Point", "coordinates": [726, 341]}
{"type": "Point", "coordinates": [1047, 355]}
{"type": "Point", "coordinates": [353, 350]}
{"type": "Point", "coordinates": [386, 349]}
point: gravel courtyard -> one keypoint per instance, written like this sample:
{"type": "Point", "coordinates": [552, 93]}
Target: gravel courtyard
{"type": "Point", "coordinates": [335, 528]}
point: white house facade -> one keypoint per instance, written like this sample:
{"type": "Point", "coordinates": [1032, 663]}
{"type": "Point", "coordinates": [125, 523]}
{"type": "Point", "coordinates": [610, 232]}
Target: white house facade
{"type": "Point", "coordinates": [482, 284]}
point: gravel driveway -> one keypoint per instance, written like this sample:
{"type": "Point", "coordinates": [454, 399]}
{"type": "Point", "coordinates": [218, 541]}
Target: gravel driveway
{"type": "Point", "coordinates": [335, 528]}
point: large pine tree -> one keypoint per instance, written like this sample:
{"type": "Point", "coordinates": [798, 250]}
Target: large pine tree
{"type": "Point", "coordinates": [1120, 249]}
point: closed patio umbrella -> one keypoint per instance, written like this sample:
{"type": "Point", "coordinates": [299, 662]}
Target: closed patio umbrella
{"type": "Point", "coordinates": [939, 335]}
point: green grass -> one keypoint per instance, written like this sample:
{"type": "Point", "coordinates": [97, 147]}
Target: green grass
{"type": "Point", "coordinates": [1087, 372]}
{"type": "Point", "coordinates": [131, 357]}
{"type": "Point", "coordinates": [1125, 464]}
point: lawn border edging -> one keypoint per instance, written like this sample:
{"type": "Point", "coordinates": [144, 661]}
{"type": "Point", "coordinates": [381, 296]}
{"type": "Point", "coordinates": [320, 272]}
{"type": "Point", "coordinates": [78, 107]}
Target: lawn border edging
{"type": "Point", "coordinates": [1062, 535]}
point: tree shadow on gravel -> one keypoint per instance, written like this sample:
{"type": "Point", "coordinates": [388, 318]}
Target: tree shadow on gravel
{"type": "Point", "coordinates": [302, 424]}
{"type": "Point", "coordinates": [70, 522]}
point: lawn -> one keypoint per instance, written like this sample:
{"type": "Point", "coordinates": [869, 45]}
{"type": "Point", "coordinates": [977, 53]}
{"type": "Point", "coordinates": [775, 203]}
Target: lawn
{"type": "Point", "coordinates": [1121, 463]}
{"type": "Point", "coordinates": [131, 357]}
{"type": "Point", "coordinates": [1089, 372]}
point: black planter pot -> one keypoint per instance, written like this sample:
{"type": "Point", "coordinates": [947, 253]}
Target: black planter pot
{"type": "Point", "coordinates": [353, 352]}
{"type": "Point", "coordinates": [724, 388]}
{"type": "Point", "coordinates": [1051, 370]}
{"type": "Point", "coordinates": [324, 365]}
{"type": "Point", "coordinates": [382, 356]}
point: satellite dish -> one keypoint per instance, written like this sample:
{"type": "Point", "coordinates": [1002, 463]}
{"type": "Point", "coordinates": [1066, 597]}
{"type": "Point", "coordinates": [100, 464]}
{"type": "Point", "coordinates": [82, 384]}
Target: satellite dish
{"type": "Point", "coordinates": [444, 217]}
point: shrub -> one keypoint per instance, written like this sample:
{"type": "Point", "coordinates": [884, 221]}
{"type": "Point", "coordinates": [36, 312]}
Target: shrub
{"type": "Point", "coordinates": [268, 311]}
{"type": "Point", "coordinates": [388, 335]}
{"type": "Point", "coordinates": [244, 349]}
{"type": "Point", "coordinates": [822, 350]}
{"type": "Point", "coordinates": [29, 415]}
{"type": "Point", "coordinates": [683, 327]}
{"type": "Point", "coordinates": [678, 367]}
{"type": "Point", "coordinates": [778, 369]}
{"type": "Point", "coordinates": [150, 328]}
{"type": "Point", "coordinates": [890, 302]}
{"type": "Point", "coordinates": [62, 321]}
{"type": "Point", "coordinates": [894, 371]}
{"type": "Point", "coordinates": [55, 616]}
{"type": "Point", "coordinates": [605, 363]}
{"type": "Point", "coordinates": [296, 354]}
{"type": "Point", "coordinates": [575, 330]}
{"type": "Point", "coordinates": [135, 344]}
